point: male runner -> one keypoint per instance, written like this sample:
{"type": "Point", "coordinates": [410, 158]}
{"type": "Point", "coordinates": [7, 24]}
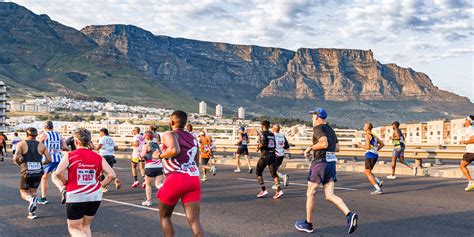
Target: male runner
{"type": "Point", "coordinates": [15, 140]}
{"type": "Point", "coordinates": [468, 157]}
{"type": "Point", "coordinates": [206, 153]}
{"type": "Point", "coordinates": [189, 128]}
{"type": "Point", "coordinates": [372, 144]}
{"type": "Point", "coordinates": [281, 145]}
{"type": "Point", "coordinates": [180, 158]}
{"type": "Point", "coordinates": [153, 168]}
{"type": "Point", "coordinates": [54, 143]}
{"type": "Point", "coordinates": [81, 190]}
{"type": "Point", "coordinates": [2, 145]}
{"type": "Point", "coordinates": [70, 143]}
{"type": "Point", "coordinates": [107, 148]}
{"type": "Point", "coordinates": [29, 156]}
{"type": "Point", "coordinates": [398, 140]}
{"type": "Point", "coordinates": [323, 172]}
{"type": "Point", "coordinates": [266, 146]}
{"type": "Point", "coordinates": [242, 149]}
{"type": "Point", "coordinates": [137, 145]}
{"type": "Point", "coordinates": [4, 142]}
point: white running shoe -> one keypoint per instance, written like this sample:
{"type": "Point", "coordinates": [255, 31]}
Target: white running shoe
{"type": "Point", "coordinates": [469, 187]}
{"type": "Point", "coordinates": [377, 192]}
{"type": "Point", "coordinates": [274, 187]}
{"type": "Point", "coordinates": [31, 215]}
{"type": "Point", "coordinates": [415, 170]}
{"type": "Point", "coordinates": [286, 179]}
{"type": "Point", "coordinates": [204, 178]}
{"type": "Point", "coordinates": [237, 170]}
{"type": "Point", "coordinates": [146, 203]}
{"type": "Point", "coordinates": [214, 170]}
{"type": "Point", "coordinates": [391, 177]}
{"type": "Point", "coordinates": [278, 194]}
{"type": "Point", "coordinates": [262, 194]}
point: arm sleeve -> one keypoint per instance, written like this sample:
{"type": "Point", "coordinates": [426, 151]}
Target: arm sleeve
{"type": "Point", "coordinates": [287, 145]}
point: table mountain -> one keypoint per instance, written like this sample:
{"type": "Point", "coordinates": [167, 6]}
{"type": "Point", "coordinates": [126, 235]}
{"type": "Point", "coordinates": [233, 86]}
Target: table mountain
{"type": "Point", "coordinates": [130, 64]}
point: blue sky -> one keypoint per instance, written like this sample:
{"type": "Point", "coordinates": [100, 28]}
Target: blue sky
{"type": "Point", "coordinates": [434, 36]}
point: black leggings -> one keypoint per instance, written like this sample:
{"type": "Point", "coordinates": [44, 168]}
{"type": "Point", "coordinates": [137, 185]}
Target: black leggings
{"type": "Point", "coordinates": [264, 162]}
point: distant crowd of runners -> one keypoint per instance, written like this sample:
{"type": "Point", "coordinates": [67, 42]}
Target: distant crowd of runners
{"type": "Point", "coordinates": [176, 163]}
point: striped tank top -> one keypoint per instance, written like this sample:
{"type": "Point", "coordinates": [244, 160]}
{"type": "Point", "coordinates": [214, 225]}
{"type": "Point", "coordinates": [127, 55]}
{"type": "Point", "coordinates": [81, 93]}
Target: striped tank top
{"type": "Point", "coordinates": [53, 144]}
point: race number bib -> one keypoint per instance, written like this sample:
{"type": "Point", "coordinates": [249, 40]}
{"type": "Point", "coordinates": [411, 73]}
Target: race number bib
{"type": "Point", "coordinates": [271, 143]}
{"type": "Point", "coordinates": [190, 168]}
{"type": "Point", "coordinates": [331, 156]}
{"type": "Point", "coordinates": [244, 142]}
{"type": "Point", "coordinates": [207, 148]}
{"type": "Point", "coordinates": [33, 166]}
{"type": "Point", "coordinates": [86, 177]}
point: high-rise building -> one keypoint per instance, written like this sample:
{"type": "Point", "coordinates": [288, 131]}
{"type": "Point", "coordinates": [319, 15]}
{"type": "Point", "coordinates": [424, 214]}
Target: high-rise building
{"type": "Point", "coordinates": [241, 113]}
{"type": "Point", "coordinates": [219, 111]}
{"type": "Point", "coordinates": [202, 107]}
{"type": "Point", "coordinates": [3, 106]}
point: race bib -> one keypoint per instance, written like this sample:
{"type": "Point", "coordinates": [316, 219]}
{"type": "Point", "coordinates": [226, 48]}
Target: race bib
{"type": "Point", "coordinates": [207, 148]}
{"type": "Point", "coordinates": [33, 166]}
{"type": "Point", "coordinates": [271, 143]}
{"type": "Point", "coordinates": [86, 177]}
{"type": "Point", "coordinates": [190, 168]}
{"type": "Point", "coordinates": [331, 156]}
{"type": "Point", "coordinates": [244, 142]}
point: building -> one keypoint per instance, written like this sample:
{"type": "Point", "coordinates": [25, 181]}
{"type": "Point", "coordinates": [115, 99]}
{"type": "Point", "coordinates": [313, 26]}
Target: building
{"type": "Point", "coordinates": [241, 113]}
{"type": "Point", "coordinates": [457, 130]}
{"type": "Point", "coordinates": [219, 111]}
{"type": "Point", "coordinates": [414, 133]}
{"type": "Point", "coordinates": [435, 132]}
{"type": "Point", "coordinates": [17, 106]}
{"type": "Point", "coordinates": [202, 108]}
{"type": "Point", "coordinates": [3, 106]}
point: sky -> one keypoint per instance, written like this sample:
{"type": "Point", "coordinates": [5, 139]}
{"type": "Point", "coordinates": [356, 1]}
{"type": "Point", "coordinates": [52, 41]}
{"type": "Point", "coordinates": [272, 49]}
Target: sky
{"type": "Point", "coordinates": [433, 36]}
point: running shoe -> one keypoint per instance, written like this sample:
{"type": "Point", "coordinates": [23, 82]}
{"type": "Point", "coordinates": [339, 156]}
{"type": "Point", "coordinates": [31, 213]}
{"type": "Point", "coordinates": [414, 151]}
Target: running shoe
{"type": "Point", "coordinates": [42, 200]}
{"type": "Point", "coordinates": [146, 203]}
{"type": "Point", "coordinates": [391, 177]}
{"type": "Point", "coordinates": [204, 178]}
{"type": "Point", "coordinates": [135, 184]}
{"type": "Point", "coordinates": [31, 215]}
{"type": "Point", "coordinates": [415, 170]}
{"type": "Point", "coordinates": [63, 196]}
{"type": "Point", "coordinates": [144, 185]}
{"type": "Point", "coordinates": [381, 183]}
{"type": "Point", "coordinates": [469, 187]}
{"type": "Point", "coordinates": [286, 179]}
{"type": "Point", "coordinates": [278, 194]}
{"type": "Point", "coordinates": [118, 185]}
{"type": "Point", "coordinates": [32, 205]}
{"type": "Point", "coordinates": [262, 194]}
{"type": "Point", "coordinates": [214, 170]}
{"type": "Point", "coordinates": [304, 226]}
{"type": "Point", "coordinates": [274, 187]}
{"type": "Point", "coordinates": [237, 170]}
{"type": "Point", "coordinates": [377, 192]}
{"type": "Point", "coordinates": [250, 170]}
{"type": "Point", "coordinates": [351, 222]}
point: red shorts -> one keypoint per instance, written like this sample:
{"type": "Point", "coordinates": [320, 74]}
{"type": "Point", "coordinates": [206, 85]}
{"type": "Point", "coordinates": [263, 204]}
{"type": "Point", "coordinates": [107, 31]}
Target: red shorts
{"type": "Point", "coordinates": [180, 186]}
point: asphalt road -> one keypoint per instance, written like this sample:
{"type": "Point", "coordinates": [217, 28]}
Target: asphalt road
{"type": "Point", "coordinates": [411, 206]}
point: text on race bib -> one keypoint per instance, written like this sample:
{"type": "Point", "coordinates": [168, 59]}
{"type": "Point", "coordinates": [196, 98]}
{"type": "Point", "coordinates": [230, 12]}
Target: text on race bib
{"type": "Point", "coordinates": [190, 168]}
{"type": "Point", "coordinates": [86, 177]}
{"type": "Point", "coordinates": [331, 156]}
{"type": "Point", "coordinates": [33, 165]}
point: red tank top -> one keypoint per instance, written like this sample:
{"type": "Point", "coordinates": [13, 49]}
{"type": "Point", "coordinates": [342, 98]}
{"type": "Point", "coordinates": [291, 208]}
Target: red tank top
{"type": "Point", "coordinates": [85, 167]}
{"type": "Point", "coordinates": [185, 161]}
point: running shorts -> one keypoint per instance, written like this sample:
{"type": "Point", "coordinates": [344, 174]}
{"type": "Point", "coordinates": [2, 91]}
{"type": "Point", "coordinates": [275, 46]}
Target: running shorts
{"type": "Point", "coordinates": [50, 167]}
{"type": "Point", "coordinates": [398, 152]}
{"type": "Point", "coordinates": [153, 172]}
{"type": "Point", "coordinates": [180, 186]}
{"type": "Point", "coordinates": [370, 163]}
{"type": "Point", "coordinates": [322, 172]}
{"type": "Point", "coordinates": [110, 160]}
{"type": "Point", "coordinates": [264, 162]}
{"type": "Point", "coordinates": [27, 183]}
{"type": "Point", "coordinates": [244, 151]}
{"type": "Point", "coordinates": [205, 161]}
{"type": "Point", "coordinates": [468, 157]}
{"type": "Point", "coordinates": [279, 161]}
{"type": "Point", "coordinates": [135, 160]}
{"type": "Point", "coordinates": [78, 210]}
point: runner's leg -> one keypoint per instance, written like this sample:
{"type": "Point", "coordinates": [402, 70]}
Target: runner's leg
{"type": "Point", "coordinates": [331, 197]}
{"type": "Point", "coordinates": [44, 184]}
{"type": "Point", "coordinates": [134, 170]}
{"type": "Point", "coordinates": [394, 165]}
{"type": "Point", "coordinates": [75, 227]}
{"type": "Point", "coordinates": [248, 161]}
{"type": "Point", "coordinates": [148, 191]}
{"type": "Point", "coordinates": [465, 170]}
{"type": "Point", "coordinates": [158, 181]}
{"type": "Point", "coordinates": [142, 169]}
{"type": "Point", "coordinates": [192, 210]}
{"type": "Point", "coordinates": [311, 200]}
{"type": "Point", "coordinates": [237, 157]}
{"type": "Point", "coordinates": [86, 225]}
{"type": "Point", "coordinates": [165, 219]}
{"type": "Point", "coordinates": [402, 160]}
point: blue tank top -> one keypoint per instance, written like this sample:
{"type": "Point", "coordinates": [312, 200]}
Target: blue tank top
{"type": "Point", "coordinates": [53, 144]}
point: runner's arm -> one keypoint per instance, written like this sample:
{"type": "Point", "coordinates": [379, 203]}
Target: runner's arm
{"type": "Point", "coordinates": [17, 155]}
{"type": "Point", "coordinates": [145, 150]}
{"type": "Point", "coordinates": [58, 176]}
{"type": "Point", "coordinates": [468, 141]}
{"type": "Point", "coordinates": [45, 153]}
{"type": "Point", "coordinates": [109, 171]}
{"type": "Point", "coordinates": [172, 147]}
{"type": "Point", "coordinates": [98, 146]}
{"type": "Point", "coordinates": [381, 144]}
{"type": "Point", "coordinates": [64, 146]}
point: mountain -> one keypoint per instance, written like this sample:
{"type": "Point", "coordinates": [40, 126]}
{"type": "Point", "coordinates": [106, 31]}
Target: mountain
{"type": "Point", "coordinates": [129, 64]}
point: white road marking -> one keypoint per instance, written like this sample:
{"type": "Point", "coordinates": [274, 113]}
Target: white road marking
{"type": "Point", "coordinates": [120, 168]}
{"type": "Point", "coordinates": [142, 207]}
{"type": "Point", "coordinates": [298, 184]}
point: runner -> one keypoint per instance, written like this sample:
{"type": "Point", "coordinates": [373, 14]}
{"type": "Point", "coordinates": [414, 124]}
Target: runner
{"type": "Point", "coordinates": [70, 143]}
{"type": "Point", "coordinates": [281, 145]}
{"type": "Point", "coordinates": [2, 144]}
{"type": "Point", "coordinates": [81, 190]}
{"type": "Point", "coordinates": [29, 156]}
{"type": "Point", "coordinates": [107, 148]}
{"type": "Point", "coordinates": [189, 128]}
{"type": "Point", "coordinates": [266, 146]}
{"type": "Point", "coordinates": [323, 172]}
{"type": "Point", "coordinates": [54, 143]}
{"type": "Point", "coordinates": [180, 154]}
{"type": "Point", "coordinates": [398, 140]}
{"type": "Point", "coordinates": [206, 153]}
{"type": "Point", "coordinates": [15, 140]}
{"type": "Point", "coordinates": [242, 149]}
{"type": "Point", "coordinates": [153, 168]}
{"type": "Point", "coordinates": [469, 155]}
{"type": "Point", "coordinates": [156, 137]}
{"type": "Point", "coordinates": [137, 145]}
{"type": "Point", "coordinates": [372, 144]}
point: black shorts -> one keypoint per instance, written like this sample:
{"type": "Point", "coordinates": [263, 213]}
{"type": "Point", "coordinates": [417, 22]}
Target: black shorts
{"type": "Point", "coordinates": [370, 163]}
{"type": "Point", "coordinates": [110, 160]}
{"type": "Point", "coordinates": [264, 162]}
{"type": "Point", "coordinates": [279, 161]}
{"type": "Point", "coordinates": [27, 183]}
{"type": "Point", "coordinates": [205, 161]}
{"type": "Point", "coordinates": [468, 157]}
{"type": "Point", "coordinates": [244, 151]}
{"type": "Point", "coordinates": [76, 211]}
{"type": "Point", "coordinates": [153, 172]}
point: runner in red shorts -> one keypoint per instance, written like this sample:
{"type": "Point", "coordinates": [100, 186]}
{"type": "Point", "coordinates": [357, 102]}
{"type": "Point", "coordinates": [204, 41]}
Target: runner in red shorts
{"type": "Point", "coordinates": [180, 159]}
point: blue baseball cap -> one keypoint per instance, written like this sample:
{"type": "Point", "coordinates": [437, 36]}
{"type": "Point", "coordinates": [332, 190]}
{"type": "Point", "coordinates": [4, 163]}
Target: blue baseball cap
{"type": "Point", "coordinates": [320, 112]}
